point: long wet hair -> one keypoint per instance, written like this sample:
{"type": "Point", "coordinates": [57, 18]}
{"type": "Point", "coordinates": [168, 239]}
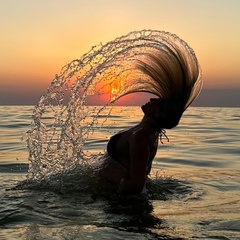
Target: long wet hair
{"type": "Point", "coordinates": [175, 77]}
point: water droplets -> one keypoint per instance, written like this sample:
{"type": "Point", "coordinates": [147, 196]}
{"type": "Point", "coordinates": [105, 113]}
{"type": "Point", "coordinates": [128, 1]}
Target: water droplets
{"type": "Point", "coordinates": [62, 121]}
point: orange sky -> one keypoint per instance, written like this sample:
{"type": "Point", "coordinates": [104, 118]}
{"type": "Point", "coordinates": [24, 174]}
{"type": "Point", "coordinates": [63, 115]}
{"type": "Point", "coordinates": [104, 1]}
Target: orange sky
{"type": "Point", "coordinates": [39, 37]}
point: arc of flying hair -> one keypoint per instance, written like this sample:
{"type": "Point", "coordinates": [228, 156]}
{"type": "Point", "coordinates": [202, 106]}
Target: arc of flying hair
{"type": "Point", "coordinates": [174, 75]}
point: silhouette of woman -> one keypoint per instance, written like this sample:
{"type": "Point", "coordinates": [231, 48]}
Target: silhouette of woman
{"type": "Point", "coordinates": [174, 76]}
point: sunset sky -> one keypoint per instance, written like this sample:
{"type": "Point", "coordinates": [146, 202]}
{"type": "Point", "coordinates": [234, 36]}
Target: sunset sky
{"type": "Point", "coordinates": [39, 37]}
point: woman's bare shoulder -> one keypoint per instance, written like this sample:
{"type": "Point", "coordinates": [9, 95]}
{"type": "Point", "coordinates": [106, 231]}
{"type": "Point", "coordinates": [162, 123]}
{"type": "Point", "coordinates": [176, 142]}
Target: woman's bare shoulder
{"type": "Point", "coordinates": [140, 135]}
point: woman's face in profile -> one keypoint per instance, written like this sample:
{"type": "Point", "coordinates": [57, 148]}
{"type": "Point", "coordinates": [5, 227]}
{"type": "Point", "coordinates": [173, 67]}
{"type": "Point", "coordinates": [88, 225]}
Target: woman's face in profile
{"type": "Point", "coordinates": [155, 109]}
{"type": "Point", "coordinates": [151, 108]}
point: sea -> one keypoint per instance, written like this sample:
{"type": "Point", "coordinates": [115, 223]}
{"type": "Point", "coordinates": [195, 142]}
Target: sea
{"type": "Point", "coordinates": [193, 193]}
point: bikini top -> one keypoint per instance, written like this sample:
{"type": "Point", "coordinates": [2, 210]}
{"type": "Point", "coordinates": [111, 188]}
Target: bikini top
{"type": "Point", "coordinates": [112, 145]}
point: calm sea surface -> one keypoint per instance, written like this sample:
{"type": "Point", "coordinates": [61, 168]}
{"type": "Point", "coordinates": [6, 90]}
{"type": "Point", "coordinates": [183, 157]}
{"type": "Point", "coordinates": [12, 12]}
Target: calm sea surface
{"type": "Point", "coordinates": [196, 176]}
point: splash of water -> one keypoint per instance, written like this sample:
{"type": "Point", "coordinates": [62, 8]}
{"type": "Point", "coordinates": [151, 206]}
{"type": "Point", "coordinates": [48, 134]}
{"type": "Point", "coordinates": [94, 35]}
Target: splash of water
{"type": "Point", "coordinates": [62, 120]}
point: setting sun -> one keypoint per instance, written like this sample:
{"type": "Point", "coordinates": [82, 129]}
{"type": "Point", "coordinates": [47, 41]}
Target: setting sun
{"type": "Point", "coordinates": [116, 86]}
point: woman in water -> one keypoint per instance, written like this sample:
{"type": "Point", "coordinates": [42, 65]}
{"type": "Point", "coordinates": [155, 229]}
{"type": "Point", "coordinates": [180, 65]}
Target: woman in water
{"type": "Point", "coordinates": [174, 76]}
{"type": "Point", "coordinates": [130, 153]}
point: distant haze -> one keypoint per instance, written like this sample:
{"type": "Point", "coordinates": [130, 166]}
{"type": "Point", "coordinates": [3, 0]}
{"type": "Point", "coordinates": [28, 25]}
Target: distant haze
{"type": "Point", "coordinates": [218, 98]}
{"type": "Point", "coordinates": [207, 98]}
